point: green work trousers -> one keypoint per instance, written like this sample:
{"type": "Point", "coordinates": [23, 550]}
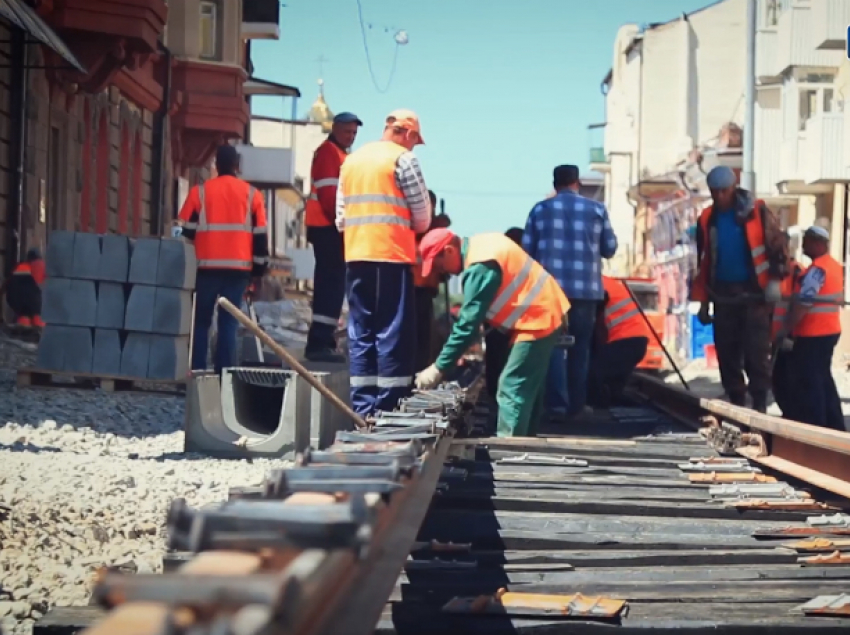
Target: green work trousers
{"type": "Point", "coordinates": [522, 387]}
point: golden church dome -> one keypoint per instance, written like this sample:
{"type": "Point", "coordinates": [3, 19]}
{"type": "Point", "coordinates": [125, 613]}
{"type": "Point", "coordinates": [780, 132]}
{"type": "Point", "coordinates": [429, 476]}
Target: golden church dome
{"type": "Point", "coordinates": [320, 112]}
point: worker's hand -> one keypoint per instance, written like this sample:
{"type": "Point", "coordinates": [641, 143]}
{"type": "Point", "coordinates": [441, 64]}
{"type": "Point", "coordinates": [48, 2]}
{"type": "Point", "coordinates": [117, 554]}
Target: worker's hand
{"type": "Point", "coordinates": [703, 316]}
{"type": "Point", "coordinates": [428, 378]}
{"type": "Point", "coordinates": [773, 292]}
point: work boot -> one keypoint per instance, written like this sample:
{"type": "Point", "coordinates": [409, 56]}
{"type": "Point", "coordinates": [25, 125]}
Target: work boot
{"type": "Point", "coordinates": [23, 321]}
{"type": "Point", "coordinates": [760, 402]}
{"type": "Point", "coordinates": [37, 322]}
{"type": "Point", "coordinates": [325, 355]}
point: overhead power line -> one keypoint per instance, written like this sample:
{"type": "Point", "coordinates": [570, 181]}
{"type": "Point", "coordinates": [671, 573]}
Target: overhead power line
{"type": "Point", "coordinates": [400, 38]}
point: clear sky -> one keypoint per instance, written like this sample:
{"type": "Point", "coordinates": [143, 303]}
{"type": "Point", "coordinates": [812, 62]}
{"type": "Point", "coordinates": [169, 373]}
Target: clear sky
{"type": "Point", "coordinates": [504, 89]}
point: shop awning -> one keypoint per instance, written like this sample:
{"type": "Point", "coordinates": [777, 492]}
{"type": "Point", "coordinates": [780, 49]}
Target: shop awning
{"type": "Point", "coordinates": [22, 17]}
{"type": "Point", "coordinates": [257, 86]}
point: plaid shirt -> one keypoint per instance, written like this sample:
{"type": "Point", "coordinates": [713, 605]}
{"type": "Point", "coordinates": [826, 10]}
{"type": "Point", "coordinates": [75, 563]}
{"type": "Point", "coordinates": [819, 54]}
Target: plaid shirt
{"type": "Point", "coordinates": [569, 235]}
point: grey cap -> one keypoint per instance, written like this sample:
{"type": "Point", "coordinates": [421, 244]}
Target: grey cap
{"type": "Point", "coordinates": [816, 231]}
{"type": "Point", "coordinates": [347, 117]}
{"type": "Point", "coordinates": [721, 178]}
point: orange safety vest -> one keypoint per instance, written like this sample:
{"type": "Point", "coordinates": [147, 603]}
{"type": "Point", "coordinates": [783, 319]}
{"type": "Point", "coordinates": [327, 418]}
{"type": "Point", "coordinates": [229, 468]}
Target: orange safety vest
{"type": "Point", "coordinates": [327, 162]}
{"type": "Point", "coordinates": [377, 218]}
{"type": "Point", "coordinates": [529, 303]}
{"type": "Point", "coordinates": [755, 239]}
{"type": "Point", "coordinates": [788, 287]}
{"type": "Point", "coordinates": [622, 317]}
{"type": "Point", "coordinates": [224, 239]}
{"type": "Point", "coordinates": [824, 319]}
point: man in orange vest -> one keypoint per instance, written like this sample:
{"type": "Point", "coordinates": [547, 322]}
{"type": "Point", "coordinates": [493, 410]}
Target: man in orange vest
{"type": "Point", "coordinates": [226, 219]}
{"type": "Point", "coordinates": [23, 290]}
{"type": "Point", "coordinates": [623, 337]}
{"type": "Point", "coordinates": [320, 216]}
{"type": "Point", "coordinates": [505, 286]}
{"type": "Point", "coordinates": [382, 204]}
{"type": "Point", "coordinates": [740, 252]}
{"type": "Point", "coordinates": [815, 324]}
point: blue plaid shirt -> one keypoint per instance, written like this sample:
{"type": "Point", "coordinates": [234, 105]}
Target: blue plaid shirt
{"type": "Point", "coordinates": [569, 235]}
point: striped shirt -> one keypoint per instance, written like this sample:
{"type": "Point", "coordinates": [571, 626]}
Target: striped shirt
{"type": "Point", "coordinates": [408, 177]}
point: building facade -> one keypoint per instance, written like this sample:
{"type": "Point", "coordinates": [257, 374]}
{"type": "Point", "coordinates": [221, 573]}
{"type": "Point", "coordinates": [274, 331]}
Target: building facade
{"type": "Point", "coordinates": [114, 103]}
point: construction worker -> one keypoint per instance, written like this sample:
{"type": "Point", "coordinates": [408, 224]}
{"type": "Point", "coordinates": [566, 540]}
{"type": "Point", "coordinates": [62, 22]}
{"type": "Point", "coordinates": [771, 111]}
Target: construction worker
{"type": "Point", "coordinates": [782, 379]}
{"type": "Point", "coordinates": [622, 339]}
{"type": "Point", "coordinates": [226, 219]}
{"type": "Point", "coordinates": [815, 328]}
{"type": "Point", "coordinates": [425, 290]}
{"type": "Point", "coordinates": [320, 216]}
{"type": "Point", "coordinates": [742, 257]}
{"type": "Point", "coordinates": [382, 204]}
{"type": "Point", "coordinates": [23, 290]}
{"type": "Point", "coordinates": [505, 286]}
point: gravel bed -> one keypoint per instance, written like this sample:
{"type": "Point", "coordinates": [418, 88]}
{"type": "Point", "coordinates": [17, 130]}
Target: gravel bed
{"type": "Point", "coordinates": [86, 478]}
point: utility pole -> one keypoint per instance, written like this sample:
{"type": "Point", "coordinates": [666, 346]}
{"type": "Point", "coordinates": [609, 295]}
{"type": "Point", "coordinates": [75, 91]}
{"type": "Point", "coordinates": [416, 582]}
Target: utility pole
{"type": "Point", "coordinates": [748, 176]}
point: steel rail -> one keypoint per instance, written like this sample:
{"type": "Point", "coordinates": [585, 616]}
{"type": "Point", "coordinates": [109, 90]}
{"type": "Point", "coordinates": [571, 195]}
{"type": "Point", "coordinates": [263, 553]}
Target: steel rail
{"type": "Point", "coordinates": [308, 553]}
{"type": "Point", "coordinates": [815, 455]}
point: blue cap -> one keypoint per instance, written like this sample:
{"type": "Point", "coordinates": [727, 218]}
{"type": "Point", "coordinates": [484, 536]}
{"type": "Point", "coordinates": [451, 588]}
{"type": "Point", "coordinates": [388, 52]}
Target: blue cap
{"type": "Point", "coordinates": [347, 117]}
{"type": "Point", "coordinates": [721, 178]}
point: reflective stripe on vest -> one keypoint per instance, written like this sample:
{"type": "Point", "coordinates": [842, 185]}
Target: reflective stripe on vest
{"type": "Point", "coordinates": [824, 319]}
{"type": "Point", "coordinates": [529, 301]}
{"type": "Point", "coordinates": [377, 220]}
{"type": "Point", "coordinates": [622, 315]}
{"type": "Point", "coordinates": [246, 226]}
{"type": "Point", "coordinates": [314, 215]}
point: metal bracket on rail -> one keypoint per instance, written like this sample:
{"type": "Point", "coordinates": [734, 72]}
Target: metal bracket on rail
{"type": "Point", "coordinates": [836, 557]}
{"type": "Point", "coordinates": [532, 604]}
{"type": "Point", "coordinates": [818, 545]}
{"type": "Point", "coordinates": [543, 459]}
{"type": "Point", "coordinates": [731, 477]}
{"type": "Point", "coordinates": [827, 605]}
{"type": "Point", "coordinates": [717, 464]}
{"type": "Point", "coordinates": [833, 521]}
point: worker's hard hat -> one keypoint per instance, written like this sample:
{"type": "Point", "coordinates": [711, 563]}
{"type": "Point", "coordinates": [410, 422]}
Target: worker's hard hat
{"type": "Point", "coordinates": [816, 231]}
{"type": "Point", "coordinates": [347, 117]}
{"type": "Point", "coordinates": [720, 178]}
{"type": "Point", "coordinates": [432, 245]}
{"type": "Point", "coordinates": [406, 119]}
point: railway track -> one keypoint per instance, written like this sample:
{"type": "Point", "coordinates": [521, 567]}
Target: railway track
{"type": "Point", "coordinates": [675, 514]}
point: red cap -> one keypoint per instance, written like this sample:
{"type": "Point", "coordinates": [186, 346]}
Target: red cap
{"type": "Point", "coordinates": [431, 246]}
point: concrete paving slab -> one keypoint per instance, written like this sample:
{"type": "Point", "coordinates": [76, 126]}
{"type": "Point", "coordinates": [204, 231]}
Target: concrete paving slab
{"type": "Point", "coordinates": [169, 358]}
{"type": "Point", "coordinates": [83, 302]}
{"type": "Point", "coordinates": [177, 265]}
{"type": "Point", "coordinates": [140, 308]}
{"type": "Point", "coordinates": [172, 313]}
{"type": "Point", "coordinates": [56, 301]}
{"type": "Point", "coordinates": [135, 355]}
{"type": "Point", "coordinates": [51, 349]}
{"type": "Point", "coordinates": [86, 264]}
{"type": "Point", "coordinates": [106, 359]}
{"type": "Point", "coordinates": [144, 256]}
{"type": "Point", "coordinates": [59, 260]}
{"type": "Point", "coordinates": [79, 349]}
{"type": "Point", "coordinates": [114, 258]}
{"type": "Point", "coordinates": [111, 305]}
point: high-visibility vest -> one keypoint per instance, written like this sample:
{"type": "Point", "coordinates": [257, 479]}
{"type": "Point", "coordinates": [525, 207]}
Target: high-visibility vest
{"type": "Point", "coordinates": [754, 230]}
{"type": "Point", "coordinates": [377, 222]}
{"type": "Point", "coordinates": [529, 303]}
{"type": "Point", "coordinates": [327, 161]}
{"type": "Point", "coordinates": [622, 316]}
{"type": "Point", "coordinates": [824, 319]}
{"type": "Point", "coordinates": [225, 238]}
{"type": "Point", "coordinates": [788, 287]}
{"type": "Point", "coordinates": [432, 281]}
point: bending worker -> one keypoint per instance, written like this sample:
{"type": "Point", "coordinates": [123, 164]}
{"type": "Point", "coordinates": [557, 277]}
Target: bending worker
{"type": "Point", "coordinates": [505, 286]}
{"type": "Point", "coordinates": [741, 253]}
{"type": "Point", "coordinates": [23, 290]}
{"type": "Point", "coordinates": [816, 328]}
{"type": "Point", "coordinates": [226, 219]}
{"type": "Point", "coordinates": [320, 216]}
{"type": "Point", "coordinates": [624, 337]}
{"type": "Point", "coordinates": [382, 203]}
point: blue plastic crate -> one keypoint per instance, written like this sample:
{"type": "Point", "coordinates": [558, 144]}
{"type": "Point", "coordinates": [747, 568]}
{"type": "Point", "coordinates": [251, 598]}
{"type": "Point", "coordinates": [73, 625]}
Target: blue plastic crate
{"type": "Point", "coordinates": [700, 336]}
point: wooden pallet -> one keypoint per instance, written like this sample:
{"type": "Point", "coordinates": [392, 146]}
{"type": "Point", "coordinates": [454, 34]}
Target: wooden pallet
{"type": "Point", "coordinates": [36, 378]}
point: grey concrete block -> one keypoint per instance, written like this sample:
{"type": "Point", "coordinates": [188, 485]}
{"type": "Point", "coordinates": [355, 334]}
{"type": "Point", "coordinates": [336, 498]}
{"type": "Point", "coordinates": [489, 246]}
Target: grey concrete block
{"type": "Point", "coordinates": [60, 254]}
{"type": "Point", "coordinates": [51, 348]}
{"type": "Point", "coordinates": [114, 258]}
{"type": "Point", "coordinates": [169, 357]}
{"type": "Point", "coordinates": [326, 419]}
{"type": "Point", "coordinates": [79, 350]}
{"type": "Point", "coordinates": [83, 303]}
{"type": "Point", "coordinates": [134, 357]}
{"type": "Point", "coordinates": [106, 359]}
{"type": "Point", "coordinates": [144, 256]}
{"type": "Point", "coordinates": [111, 305]}
{"type": "Point", "coordinates": [172, 313]}
{"type": "Point", "coordinates": [86, 264]}
{"type": "Point", "coordinates": [177, 265]}
{"type": "Point", "coordinates": [140, 309]}
{"type": "Point", "coordinates": [56, 301]}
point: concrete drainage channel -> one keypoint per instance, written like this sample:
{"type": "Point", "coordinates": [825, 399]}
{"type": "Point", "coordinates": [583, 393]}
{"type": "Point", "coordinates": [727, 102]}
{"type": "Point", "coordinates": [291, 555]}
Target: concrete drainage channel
{"type": "Point", "coordinates": [261, 412]}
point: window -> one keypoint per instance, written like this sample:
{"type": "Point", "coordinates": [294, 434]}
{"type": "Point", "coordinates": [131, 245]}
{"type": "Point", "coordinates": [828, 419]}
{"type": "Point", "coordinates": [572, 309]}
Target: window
{"type": "Point", "coordinates": [771, 17]}
{"type": "Point", "coordinates": [814, 101]}
{"type": "Point", "coordinates": [209, 31]}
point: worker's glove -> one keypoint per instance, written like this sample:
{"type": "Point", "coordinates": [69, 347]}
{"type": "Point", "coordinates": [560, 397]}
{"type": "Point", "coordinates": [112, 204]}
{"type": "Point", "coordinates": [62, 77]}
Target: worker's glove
{"type": "Point", "coordinates": [428, 378]}
{"type": "Point", "coordinates": [773, 292]}
{"type": "Point", "coordinates": [703, 316]}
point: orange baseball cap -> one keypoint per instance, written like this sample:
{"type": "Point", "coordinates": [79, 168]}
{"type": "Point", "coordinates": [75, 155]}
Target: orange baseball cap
{"type": "Point", "coordinates": [406, 119]}
{"type": "Point", "coordinates": [431, 246]}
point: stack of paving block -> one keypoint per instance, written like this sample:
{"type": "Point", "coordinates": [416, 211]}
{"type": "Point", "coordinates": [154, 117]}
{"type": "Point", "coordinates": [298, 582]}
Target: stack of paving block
{"type": "Point", "coordinates": [116, 306]}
